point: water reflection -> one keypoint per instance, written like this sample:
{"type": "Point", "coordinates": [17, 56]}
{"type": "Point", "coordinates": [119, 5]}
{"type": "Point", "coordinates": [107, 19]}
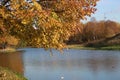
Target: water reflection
{"type": "Point", "coordinates": [104, 63]}
{"type": "Point", "coordinates": [12, 61]}
{"type": "Point", "coordinates": [72, 65]}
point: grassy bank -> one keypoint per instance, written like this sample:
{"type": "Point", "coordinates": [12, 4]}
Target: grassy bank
{"type": "Point", "coordinates": [6, 74]}
{"type": "Point", "coordinates": [110, 47]}
{"type": "Point", "coordinates": [76, 46]}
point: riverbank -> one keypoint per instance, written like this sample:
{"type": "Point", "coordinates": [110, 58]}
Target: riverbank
{"type": "Point", "coordinates": [6, 74]}
{"type": "Point", "coordinates": [8, 50]}
{"type": "Point", "coordinates": [77, 46]}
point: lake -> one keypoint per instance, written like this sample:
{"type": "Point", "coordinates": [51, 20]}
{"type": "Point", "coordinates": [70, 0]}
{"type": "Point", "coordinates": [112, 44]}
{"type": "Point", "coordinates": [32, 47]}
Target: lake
{"type": "Point", "coordinates": [72, 64]}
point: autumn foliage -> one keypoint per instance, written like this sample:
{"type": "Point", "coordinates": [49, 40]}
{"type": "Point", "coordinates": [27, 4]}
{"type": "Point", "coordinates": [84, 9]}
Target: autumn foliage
{"type": "Point", "coordinates": [43, 23]}
{"type": "Point", "coordinates": [94, 31]}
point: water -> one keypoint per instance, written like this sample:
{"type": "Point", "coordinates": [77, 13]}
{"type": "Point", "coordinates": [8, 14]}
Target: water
{"type": "Point", "coordinates": [38, 64]}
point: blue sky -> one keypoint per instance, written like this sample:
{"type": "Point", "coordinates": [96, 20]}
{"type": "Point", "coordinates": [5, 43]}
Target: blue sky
{"type": "Point", "coordinates": [109, 9]}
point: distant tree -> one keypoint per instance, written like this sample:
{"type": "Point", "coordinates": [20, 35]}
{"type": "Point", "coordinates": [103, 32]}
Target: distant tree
{"type": "Point", "coordinates": [88, 31]}
{"type": "Point", "coordinates": [96, 30]}
{"type": "Point", "coordinates": [111, 28]}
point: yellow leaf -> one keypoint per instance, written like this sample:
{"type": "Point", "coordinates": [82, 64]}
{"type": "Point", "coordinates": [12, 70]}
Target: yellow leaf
{"type": "Point", "coordinates": [37, 5]}
{"type": "Point", "coordinates": [25, 21]}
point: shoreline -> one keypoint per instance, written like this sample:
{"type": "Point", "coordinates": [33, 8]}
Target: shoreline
{"type": "Point", "coordinates": [7, 74]}
{"type": "Point", "coordinates": [77, 46]}
{"type": "Point", "coordinates": [7, 50]}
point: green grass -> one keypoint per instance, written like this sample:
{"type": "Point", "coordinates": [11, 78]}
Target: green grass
{"type": "Point", "coordinates": [6, 74]}
{"type": "Point", "coordinates": [115, 47]}
{"type": "Point", "coordinates": [110, 48]}
{"type": "Point", "coordinates": [79, 47]}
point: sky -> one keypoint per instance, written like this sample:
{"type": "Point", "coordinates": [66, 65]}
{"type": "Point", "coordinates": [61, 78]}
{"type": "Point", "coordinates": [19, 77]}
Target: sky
{"type": "Point", "coordinates": [107, 10]}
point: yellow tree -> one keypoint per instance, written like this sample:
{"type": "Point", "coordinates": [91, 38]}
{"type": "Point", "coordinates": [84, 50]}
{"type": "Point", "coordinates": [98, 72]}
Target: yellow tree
{"type": "Point", "coordinates": [43, 23]}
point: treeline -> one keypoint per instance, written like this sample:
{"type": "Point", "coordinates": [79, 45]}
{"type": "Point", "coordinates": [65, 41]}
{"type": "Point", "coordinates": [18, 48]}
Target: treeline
{"type": "Point", "coordinates": [83, 33]}
{"type": "Point", "coordinates": [94, 31]}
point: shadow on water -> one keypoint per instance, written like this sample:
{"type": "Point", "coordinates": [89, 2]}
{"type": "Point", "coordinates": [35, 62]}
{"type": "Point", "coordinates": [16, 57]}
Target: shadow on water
{"type": "Point", "coordinates": [37, 64]}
